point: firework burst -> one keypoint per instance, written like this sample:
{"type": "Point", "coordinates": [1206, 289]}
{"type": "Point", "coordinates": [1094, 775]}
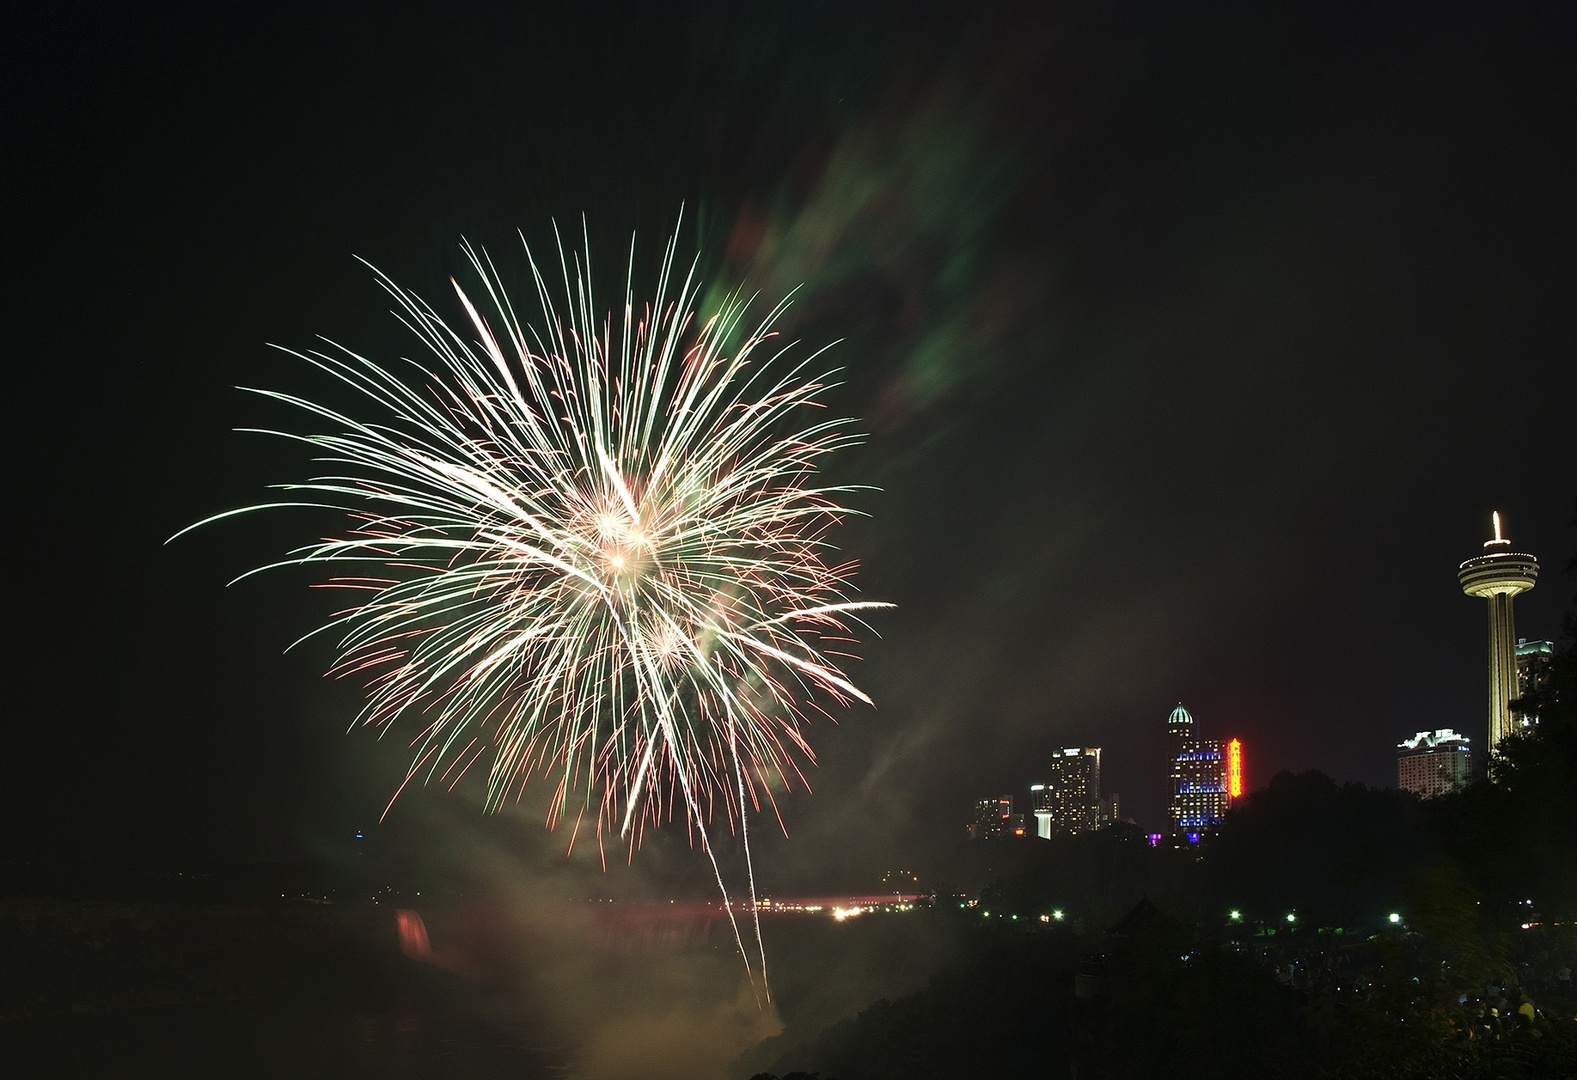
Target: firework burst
{"type": "Point", "coordinates": [591, 549]}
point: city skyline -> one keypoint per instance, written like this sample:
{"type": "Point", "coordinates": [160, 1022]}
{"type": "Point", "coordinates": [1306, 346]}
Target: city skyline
{"type": "Point", "coordinates": [1161, 354]}
{"type": "Point", "coordinates": [1429, 763]}
{"type": "Point", "coordinates": [1189, 355]}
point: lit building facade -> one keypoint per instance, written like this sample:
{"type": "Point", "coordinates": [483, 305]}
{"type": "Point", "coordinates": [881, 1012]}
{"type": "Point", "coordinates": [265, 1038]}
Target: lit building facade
{"type": "Point", "coordinates": [1533, 674]}
{"type": "Point", "coordinates": [1041, 804]}
{"type": "Point", "coordinates": [1200, 775]}
{"type": "Point", "coordinates": [1433, 763]}
{"type": "Point", "coordinates": [1069, 802]}
{"type": "Point", "coordinates": [994, 818]}
{"type": "Point", "coordinates": [1235, 769]}
{"type": "Point", "coordinates": [1497, 576]}
{"type": "Point", "coordinates": [1107, 812]}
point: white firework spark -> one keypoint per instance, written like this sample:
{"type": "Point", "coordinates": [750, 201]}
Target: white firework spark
{"type": "Point", "coordinates": [600, 550]}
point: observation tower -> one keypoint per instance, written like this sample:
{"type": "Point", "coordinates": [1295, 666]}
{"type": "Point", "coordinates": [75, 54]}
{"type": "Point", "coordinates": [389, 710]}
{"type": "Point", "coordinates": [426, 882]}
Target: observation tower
{"type": "Point", "coordinates": [1498, 575]}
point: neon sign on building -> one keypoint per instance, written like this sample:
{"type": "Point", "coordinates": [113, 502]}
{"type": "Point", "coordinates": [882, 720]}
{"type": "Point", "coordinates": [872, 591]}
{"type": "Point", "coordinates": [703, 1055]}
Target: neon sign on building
{"type": "Point", "coordinates": [1235, 769]}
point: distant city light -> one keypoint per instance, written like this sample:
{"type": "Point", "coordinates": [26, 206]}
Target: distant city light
{"type": "Point", "coordinates": [1291, 917]}
{"type": "Point", "coordinates": [1236, 916]}
{"type": "Point", "coordinates": [1057, 914]}
{"type": "Point", "coordinates": [1395, 918]}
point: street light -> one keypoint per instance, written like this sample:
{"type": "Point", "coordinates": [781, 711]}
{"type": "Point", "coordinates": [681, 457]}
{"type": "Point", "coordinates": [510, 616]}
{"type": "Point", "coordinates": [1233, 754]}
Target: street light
{"type": "Point", "coordinates": [1395, 918]}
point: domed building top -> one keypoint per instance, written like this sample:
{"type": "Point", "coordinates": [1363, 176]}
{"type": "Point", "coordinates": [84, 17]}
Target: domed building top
{"type": "Point", "coordinates": [1180, 718]}
{"type": "Point", "coordinates": [1500, 570]}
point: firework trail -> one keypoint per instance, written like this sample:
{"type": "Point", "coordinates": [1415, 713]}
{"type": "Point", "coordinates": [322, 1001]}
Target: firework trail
{"type": "Point", "coordinates": [590, 549]}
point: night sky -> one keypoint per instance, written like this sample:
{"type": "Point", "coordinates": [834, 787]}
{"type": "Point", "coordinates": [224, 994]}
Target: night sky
{"type": "Point", "coordinates": [1196, 344]}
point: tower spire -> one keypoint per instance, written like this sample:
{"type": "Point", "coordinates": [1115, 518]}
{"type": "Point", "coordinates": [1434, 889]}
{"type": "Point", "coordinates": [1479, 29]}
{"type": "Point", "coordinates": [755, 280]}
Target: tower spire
{"type": "Point", "coordinates": [1498, 541]}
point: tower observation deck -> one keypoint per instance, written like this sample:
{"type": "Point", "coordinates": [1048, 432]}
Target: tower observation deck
{"type": "Point", "coordinates": [1497, 576]}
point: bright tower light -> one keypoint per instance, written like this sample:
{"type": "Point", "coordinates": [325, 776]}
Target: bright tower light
{"type": "Point", "coordinates": [1497, 576]}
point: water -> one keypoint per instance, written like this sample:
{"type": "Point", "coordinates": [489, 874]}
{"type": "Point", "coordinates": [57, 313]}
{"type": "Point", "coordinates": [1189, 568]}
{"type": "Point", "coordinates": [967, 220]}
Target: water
{"type": "Point", "coordinates": [292, 991]}
{"type": "Point", "coordinates": [523, 987]}
{"type": "Point", "coordinates": [301, 1039]}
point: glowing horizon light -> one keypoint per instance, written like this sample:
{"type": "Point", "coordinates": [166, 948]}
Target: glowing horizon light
{"type": "Point", "coordinates": [1235, 769]}
{"type": "Point", "coordinates": [591, 549]}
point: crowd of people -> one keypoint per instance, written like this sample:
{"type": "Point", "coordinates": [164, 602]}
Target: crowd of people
{"type": "Point", "coordinates": [1406, 974]}
{"type": "Point", "coordinates": [1501, 1008]}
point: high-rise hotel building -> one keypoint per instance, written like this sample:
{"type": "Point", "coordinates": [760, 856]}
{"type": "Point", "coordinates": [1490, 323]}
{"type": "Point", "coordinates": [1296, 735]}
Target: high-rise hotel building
{"type": "Point", "coordinates": [1433, 763]}
{"type": "Point", "coordinates": [1205, 775]}
{"type": "Point", "coordinates": [1533, 674]}
{"type": "Point", "coordinates": [1069, 802]}
{"type": "Point", "coordinates": [995, 818]}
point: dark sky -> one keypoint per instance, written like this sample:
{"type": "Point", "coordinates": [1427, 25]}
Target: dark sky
{"type": "Point", "coordinates": [1196, 344]}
